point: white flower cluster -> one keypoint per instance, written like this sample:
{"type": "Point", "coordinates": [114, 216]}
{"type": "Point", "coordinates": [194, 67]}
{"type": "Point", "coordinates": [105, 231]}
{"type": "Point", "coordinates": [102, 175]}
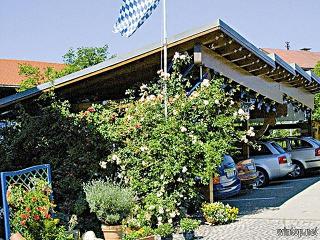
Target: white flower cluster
{"type": "Point", "coordinates": [183, 57]}
{"type": "Point", "coordinates": [103, 164]}
{"type": "Point", "coordinates": [183, 129]}
{"type": "Point", "coordinates": [244, 139]}
{"type": "Point", "coordinates": [242, 114]}
{"type": "Point", "coordinates": [251, 132]}
{"type": "Point", "coordinates": [163, 75]}
{"type": "Point", "coordinates": [205, 83]}
{"type": "Point", "coordinates": [184, 169]}
{"type": "Point", "coordinates": [144, 148]}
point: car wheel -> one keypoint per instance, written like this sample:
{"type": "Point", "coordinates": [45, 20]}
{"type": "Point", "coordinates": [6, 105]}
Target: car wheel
{"type": "Point", "coordinates": [298, 170]}
{"type": "Point", "coordinates": [262, 178]}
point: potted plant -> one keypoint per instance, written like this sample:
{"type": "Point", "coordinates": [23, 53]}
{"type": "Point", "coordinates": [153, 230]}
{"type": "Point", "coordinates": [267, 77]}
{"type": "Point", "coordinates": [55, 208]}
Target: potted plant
{"type": "Point", "coordinates": [217, 213]}
{"type": "Point", "coordinates": [111, 203]}
{"type": "Point", "coordinates": [188, 226]}
{"type": "Point", "coordinates": [144, 233]}
{"type": "Point", "coordinates": [16, 236]}
{"type": "Point", "coordinates": [30, 213]}
{"type": "Point", "coordinates": [165, 231]}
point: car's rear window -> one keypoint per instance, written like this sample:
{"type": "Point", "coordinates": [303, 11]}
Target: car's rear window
{"type": "Point", "coordinates": [261, 150]}
{"type": "Point", "coordinates": [278, 147]}
{"type": "Point", "coordinates": [299, 143]}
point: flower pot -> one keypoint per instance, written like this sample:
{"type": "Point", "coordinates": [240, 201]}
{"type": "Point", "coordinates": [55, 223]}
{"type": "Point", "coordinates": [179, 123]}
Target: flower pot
{"type": "Point", "coordinates": [167, 237]}
{"type": "Point", "coordinates": [147, 238]}
{"type": "Point", "coordinates": [112, 232]}
{"type": "Point", "coordinates": [16, 236]}
{"type": "Point", "coordinates": [188, 235]}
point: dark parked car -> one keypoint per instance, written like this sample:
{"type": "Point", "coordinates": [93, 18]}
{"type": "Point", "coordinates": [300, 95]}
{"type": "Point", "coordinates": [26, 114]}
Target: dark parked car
{"type": "Point", "coordinates": [227, 184]}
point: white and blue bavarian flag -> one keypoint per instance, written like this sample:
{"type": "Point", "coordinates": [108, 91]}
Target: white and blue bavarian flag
{"type": "Point", "coordinates": [133, 14]}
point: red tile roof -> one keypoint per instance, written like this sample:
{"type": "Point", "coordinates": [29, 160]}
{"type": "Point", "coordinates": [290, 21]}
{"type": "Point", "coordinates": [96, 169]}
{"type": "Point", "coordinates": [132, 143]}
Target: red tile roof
{"type": "Point", "coordinates": [9, 70]}
{"type": "Point", "coordinates": [304, 59]}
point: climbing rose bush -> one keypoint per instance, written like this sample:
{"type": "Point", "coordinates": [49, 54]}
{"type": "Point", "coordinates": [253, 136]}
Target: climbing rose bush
{"type": "Point", "coordinates": [164, 160]}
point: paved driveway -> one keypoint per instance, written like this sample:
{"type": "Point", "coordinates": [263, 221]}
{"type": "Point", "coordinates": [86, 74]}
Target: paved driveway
{"type": "Point", "coordinates": [273, 196]}
{"type": "Point", "coordinates": [286, 209]}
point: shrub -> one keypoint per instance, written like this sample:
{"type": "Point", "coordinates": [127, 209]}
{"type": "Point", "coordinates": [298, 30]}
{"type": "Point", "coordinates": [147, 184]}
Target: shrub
{"type": "Point", "coordinates": [111, 203]}
{"type": "Point", "coordinates": [31, 213]}
{"type": "Point", "coordinates": [141, 233]}
{"type": "Point", "coordinates": [188, 224]}
{"type": "Point", "coordinates": [218, 213]}
{"type": "Point", "coordinates": [165, 230]}
{"type": "Point", "coordinates": [49, 133]}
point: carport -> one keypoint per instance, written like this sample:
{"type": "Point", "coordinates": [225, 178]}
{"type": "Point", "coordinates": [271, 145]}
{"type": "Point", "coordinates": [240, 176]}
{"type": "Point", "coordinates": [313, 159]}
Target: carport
{"type": "Point", "coordinates": [282, 93]}
{"type": "Point", "coordinates": [274, 86]}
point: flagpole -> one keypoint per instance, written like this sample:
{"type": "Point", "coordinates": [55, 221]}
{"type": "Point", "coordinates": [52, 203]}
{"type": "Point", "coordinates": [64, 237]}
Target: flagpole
{"type": "Point", "coordinates": [165, 57]}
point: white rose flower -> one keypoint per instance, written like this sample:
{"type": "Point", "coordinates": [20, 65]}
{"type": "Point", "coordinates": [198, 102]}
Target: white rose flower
{"type": "Point", "coordinates": [216, 101]}
{"type": "Point", "coordinates": [170, 221]}
{"type": "Point", "coordinates": [244, 139]}
{"type": "Point", "coordinates": [231, 102]}
{"type": "Point", "coordinates": [176, 56]}
{"type": "Point", "coordinates": [143, 148]}
{"type": "Point", "coordinates": [241, 111]}
{"type": "Point", "coordinates": [159, 194]}
{"type": "Point", "coordinates": [105, 102]}
{"type": "Point", "coordinates": [172, 214]}
{"type": "Point", "coordinates": [205, 102]}
{"type": "Point", "coordinates": [161, 211]}
{"type": "Point", "coordinates": [205, 83]}
{"type": "Point", "coordinates": [103, 164]}
{"type": "Point", "coordinates": [184, 169]}
{"type": "Point", "coordinates": [183, 129]}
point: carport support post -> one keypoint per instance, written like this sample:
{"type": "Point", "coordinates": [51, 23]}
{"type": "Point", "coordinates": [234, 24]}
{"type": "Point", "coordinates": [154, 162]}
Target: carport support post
{"type": "Point", "coordinates": [246, 146]}
{"type": "Point", "coordinates": [211, 190]}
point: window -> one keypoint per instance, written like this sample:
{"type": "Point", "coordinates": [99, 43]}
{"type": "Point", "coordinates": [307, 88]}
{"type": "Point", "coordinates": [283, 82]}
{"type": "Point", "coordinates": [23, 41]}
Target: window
{"type": "Point", "coordinates": [278, 147]}
{"type": "Point", "coordinates": [299, 144]}
{"type": "Point", "coordinates": [261, 150]}
{"type": "Point", "coordinates": [282, 144]}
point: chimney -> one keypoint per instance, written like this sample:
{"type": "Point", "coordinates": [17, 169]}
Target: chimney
{"type": "Point", "coordinates": [305, 49]}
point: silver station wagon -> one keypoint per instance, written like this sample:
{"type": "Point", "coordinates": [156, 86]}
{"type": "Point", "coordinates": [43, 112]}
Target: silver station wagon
{"type": "Point", "coordinates": [271, 162]}
{"type": "Point", "coordinates": [305, 153]}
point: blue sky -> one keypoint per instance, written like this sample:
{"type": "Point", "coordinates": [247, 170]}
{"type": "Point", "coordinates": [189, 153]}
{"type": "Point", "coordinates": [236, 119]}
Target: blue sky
{"type": "Point", "coordinates": [45, 29]}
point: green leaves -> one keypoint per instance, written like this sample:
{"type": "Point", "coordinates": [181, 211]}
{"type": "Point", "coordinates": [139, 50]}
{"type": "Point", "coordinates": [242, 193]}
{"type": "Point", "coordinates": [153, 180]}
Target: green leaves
{"type": "Point", "coordinates": [75, 60]}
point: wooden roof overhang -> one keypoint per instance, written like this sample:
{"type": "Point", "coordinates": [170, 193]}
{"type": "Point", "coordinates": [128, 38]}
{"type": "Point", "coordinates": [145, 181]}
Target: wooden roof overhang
{"type": "Point", "coordinates": [216, 46]}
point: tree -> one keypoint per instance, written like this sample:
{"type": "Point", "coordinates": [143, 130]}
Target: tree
{"type": "Point", "coordinates": [316, 111]}
{"type": "Point", "coordinates": [316, 69]}
{"type": "Point", "coordinates": [75, 60]}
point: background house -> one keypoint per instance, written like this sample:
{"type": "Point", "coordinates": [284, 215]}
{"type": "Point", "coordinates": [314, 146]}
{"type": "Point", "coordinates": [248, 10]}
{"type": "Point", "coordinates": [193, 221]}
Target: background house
{"type": "Point", "coordinates": [304, 58]}
{"type": "Point", "coordinates": [9, 73]}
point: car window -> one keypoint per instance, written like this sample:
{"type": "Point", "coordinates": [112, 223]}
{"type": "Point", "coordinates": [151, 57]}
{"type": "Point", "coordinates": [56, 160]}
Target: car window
{"type": "Point", "coordinates": [299, 144]}
{"type": "Point", "coordinates": [261, 150]}
{"type": "Point", "coordinates": [278, 147]}
{"type": "Point", "coordinates": [282, 144]}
